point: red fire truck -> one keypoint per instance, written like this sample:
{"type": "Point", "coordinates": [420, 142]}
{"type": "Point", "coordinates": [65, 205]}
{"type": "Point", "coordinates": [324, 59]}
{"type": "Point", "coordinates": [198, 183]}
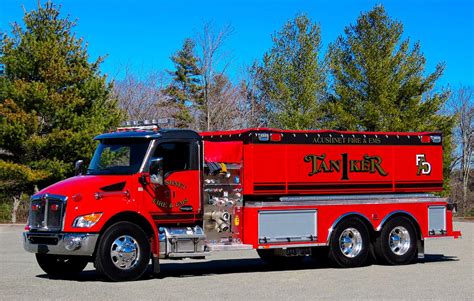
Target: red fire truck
{"type": "Point", "coordinates": [152, 193]}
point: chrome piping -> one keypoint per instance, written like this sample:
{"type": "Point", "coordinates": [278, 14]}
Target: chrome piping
{"type": "Point", "coordinates": [148, 154]}
{"type": "Point", "coordinates": [385, 219]}
{"type": "Point", "coordinates": [201, 176]}
{"type": "Point", "coordinates": [46, 209]}
{"type": "Point", "coordinates": [342, 217]}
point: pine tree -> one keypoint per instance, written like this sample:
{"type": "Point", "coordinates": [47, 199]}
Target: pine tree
{"type": "Point", "coordinates": [379, 82]}
{"type": "Point", "coordinates": [185, 90]}
{"type": "Point", "coordinates": [52, 102]}
{"type": "Point", "coordinates": [291, 79]}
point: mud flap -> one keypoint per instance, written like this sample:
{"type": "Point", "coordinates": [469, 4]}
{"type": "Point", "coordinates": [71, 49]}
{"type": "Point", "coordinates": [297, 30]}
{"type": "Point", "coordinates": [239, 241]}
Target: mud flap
{"type": "Point", "coordinates": [156, 264]}
{"type": "Point", "coordinates": [421, 249]}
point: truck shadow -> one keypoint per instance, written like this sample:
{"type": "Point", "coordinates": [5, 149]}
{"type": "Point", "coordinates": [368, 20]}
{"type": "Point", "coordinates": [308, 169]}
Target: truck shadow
{"type": "Point", "coordinates": [437, 258]}
{"type": "Point", "coordinates": [252, 265]}
{"type": "Point", "coordinates": [182, 269]}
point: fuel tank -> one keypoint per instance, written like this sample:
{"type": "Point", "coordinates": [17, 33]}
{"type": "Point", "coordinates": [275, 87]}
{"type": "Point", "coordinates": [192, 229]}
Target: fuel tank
{"type": "Point", "coordinates": [284, 162]}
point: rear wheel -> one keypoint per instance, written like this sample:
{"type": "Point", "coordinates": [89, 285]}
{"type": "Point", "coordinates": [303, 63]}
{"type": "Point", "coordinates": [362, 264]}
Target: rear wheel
{"type": "Point", "coordinates": [57, 266]}
{"type": "Point", "coordinates": [396, 243]}
{"type": "Point", "coordinates": [123, 253]}
{"type": "Point", "coordinates": [349, 245]}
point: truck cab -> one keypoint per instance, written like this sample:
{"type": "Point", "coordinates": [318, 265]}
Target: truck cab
{"type": "Point", "coordinates": [67, 218]}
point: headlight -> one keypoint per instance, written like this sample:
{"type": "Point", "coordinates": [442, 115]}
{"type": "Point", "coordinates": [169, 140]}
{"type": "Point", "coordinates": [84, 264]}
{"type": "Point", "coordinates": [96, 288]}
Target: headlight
{"type": "Point", "coordinates": [87, 221]}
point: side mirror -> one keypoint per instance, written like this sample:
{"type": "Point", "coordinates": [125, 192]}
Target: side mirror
{"type": "Point", "coordinates": [156, 171]}
{"type": "Point", "coordinates": [78, 167]}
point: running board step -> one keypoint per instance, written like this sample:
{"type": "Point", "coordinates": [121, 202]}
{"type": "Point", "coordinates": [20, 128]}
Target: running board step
{"type": "Point", "coordinates": [190, 255]}
{"type": "Point", "coordinates": [228, 247]}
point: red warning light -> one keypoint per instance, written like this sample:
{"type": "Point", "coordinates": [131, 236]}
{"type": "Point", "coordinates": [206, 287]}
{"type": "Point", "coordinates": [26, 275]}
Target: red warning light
{"type": "Point", "coordinates": [276, 137]}
{"type": "Point", "coordinates": [425, 139]}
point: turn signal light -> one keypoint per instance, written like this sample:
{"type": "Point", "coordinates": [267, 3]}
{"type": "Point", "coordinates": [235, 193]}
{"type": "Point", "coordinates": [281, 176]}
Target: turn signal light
{"type": "Point", "coordinates": [87, 221]}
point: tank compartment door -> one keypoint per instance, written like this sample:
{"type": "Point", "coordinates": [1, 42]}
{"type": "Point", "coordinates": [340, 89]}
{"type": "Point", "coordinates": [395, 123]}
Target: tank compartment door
{"type": "Point", "coordinates": [276, 226]}
{"type": "Point", "coordinates": [437, 220]}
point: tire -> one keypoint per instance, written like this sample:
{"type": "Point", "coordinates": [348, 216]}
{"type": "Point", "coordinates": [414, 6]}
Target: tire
{"type": "Point", "coordinates": [123, 253]}
{"type": "Point", "coordinates": [349, 244]}
{"type": "Point", "coordinates": [61, 267]}
{"type": "Point", "coordinates": [396, 244]}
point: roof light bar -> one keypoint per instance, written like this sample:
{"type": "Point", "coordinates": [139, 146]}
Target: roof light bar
{"type": "Point", "coordinates": [147, 124]}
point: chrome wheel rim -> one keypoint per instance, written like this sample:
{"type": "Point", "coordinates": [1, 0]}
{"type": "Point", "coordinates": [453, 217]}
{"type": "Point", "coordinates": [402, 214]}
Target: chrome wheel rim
{"type": "Point", "coordinates": [125, 252]}
{"type": "Point", "coordinates": [399, 240]}
{"type": "Point", "coordinates": [350, 242]}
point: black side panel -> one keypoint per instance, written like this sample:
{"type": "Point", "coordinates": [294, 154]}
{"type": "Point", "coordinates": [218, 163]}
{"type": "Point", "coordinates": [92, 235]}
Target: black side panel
{"type": "Point", "coordinates": [114, 187]}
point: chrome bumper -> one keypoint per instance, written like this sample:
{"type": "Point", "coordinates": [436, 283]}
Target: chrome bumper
{"type": "Point", "coordinates": [82, 244]}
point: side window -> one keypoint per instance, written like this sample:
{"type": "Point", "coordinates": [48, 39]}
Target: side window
{"type": "Point", "coordinates": [176, 156]}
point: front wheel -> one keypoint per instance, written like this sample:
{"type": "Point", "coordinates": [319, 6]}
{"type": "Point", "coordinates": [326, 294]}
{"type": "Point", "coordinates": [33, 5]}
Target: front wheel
{"type": "Point", "coordinates": [62, 267]}
{"type": "Point", "coordinates": [123, 253]}
{"type": "Point", "coordinates": [349, 244]}
{"type": "Point", "coordinates": [396, 243]}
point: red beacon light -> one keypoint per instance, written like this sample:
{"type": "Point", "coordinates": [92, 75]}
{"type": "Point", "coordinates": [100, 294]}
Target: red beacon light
{"type": "Point", "coordinates": [425, 139]}
{"type": "Point", "coordinates": [275, 137]}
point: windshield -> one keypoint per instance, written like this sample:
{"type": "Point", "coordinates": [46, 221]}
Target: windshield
{"type": "Point", "coordinates": [118, 156]}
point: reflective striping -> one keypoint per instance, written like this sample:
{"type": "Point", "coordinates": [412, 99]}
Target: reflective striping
{"type": "Point", "coordinates": [174, 216]}
{"type": "Point", "coordinates": [340, 202]}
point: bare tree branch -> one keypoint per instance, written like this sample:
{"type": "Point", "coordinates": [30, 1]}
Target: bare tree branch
{"type": "Point", "coordinates": [213, 63]}
{"type": "Point", "coordinates": [463, 105]}
{"type": "Point", "coordinates": [143, 99]}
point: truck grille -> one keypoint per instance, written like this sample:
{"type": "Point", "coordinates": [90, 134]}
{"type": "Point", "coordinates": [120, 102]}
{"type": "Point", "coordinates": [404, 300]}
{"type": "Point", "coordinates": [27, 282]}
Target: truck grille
{"type": "Point", "coordinates": [47, 212]}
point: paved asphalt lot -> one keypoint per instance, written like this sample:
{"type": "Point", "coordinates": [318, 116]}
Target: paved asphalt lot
{"type": "Point", "coordinates": [446, 274]}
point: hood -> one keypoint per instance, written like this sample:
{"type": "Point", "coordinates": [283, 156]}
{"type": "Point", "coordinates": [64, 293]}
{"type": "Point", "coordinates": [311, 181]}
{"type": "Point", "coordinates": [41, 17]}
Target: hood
{"type": "Point", "coordinates": [87, 185]}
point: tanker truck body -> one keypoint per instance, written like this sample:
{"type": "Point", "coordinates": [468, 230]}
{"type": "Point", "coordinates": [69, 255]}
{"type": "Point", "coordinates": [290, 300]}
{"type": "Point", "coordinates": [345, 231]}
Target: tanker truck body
{"type": "Point", "coordinates": [152, 193]}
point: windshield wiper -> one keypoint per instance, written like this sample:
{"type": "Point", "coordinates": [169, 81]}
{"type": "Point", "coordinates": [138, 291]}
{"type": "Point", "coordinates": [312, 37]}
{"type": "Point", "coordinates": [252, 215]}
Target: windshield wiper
{"type": "Point", "coordinates": [101, 170]}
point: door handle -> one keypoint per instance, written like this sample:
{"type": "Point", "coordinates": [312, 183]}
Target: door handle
{"type": "Point", "coordinates": [186, 208]}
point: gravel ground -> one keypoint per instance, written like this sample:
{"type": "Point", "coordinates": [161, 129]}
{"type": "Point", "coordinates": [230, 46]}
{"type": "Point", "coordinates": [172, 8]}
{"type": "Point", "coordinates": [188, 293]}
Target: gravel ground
{"type": "Point", "coordinates": [446, 273]}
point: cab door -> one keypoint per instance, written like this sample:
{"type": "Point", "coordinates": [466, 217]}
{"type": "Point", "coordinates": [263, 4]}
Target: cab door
{"type": "Point", "coordinates": [179, 198]}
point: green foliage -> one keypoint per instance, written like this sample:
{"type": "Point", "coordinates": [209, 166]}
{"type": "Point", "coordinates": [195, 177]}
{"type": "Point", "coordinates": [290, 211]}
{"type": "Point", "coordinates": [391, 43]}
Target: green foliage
{"type": "Point", "coordinates": [52, 101]}
{"type": "Point", "coordinates": [379, 82]}
{"type": "Point", "coordinates": [186, 88]}
{"type": "Point", "coordinates": [292, 78]}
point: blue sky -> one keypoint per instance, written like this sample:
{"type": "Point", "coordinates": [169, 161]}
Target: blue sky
{"type": "Point", "coordinates": [142, 35]}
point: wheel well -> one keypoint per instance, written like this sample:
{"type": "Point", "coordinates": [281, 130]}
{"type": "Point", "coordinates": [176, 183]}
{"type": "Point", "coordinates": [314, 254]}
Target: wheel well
{"type": "Point", "coordinates": [129, 216]}
{"type": "Point", "coordinates": [360, 217]}
{"type": "Point", "coordinates": [408, 216]}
